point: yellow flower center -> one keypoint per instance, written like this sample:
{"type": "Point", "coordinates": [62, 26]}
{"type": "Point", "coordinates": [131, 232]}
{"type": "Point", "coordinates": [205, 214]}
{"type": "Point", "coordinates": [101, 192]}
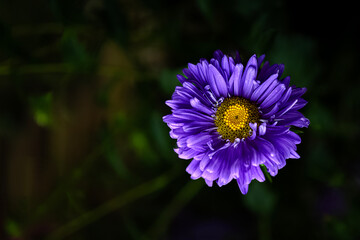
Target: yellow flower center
{"type": "Point", "coordinates": [233, 117]}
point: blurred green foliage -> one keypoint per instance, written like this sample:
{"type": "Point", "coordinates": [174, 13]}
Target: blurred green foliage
{"type": "Point", "coordinates": [41, 107]}
{"type": "Point", "coordinates": [84, 151]}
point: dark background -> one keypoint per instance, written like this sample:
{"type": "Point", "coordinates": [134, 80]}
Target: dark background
{"type": "Point", "coordinates": [84, 153]}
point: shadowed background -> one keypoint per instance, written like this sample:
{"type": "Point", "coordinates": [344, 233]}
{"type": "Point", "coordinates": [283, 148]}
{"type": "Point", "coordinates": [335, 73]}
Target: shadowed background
{"type": "Point", "coordinates": [85, 154]}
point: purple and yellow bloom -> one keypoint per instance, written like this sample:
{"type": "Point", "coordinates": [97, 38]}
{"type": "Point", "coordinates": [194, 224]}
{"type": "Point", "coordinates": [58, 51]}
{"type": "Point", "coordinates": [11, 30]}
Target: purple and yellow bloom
{"type": "Point", "coordinates": [231, 119]}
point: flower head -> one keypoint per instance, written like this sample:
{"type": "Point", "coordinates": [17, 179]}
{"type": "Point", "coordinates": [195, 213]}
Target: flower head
{"type": "Point", "coordinates": [230, 119]}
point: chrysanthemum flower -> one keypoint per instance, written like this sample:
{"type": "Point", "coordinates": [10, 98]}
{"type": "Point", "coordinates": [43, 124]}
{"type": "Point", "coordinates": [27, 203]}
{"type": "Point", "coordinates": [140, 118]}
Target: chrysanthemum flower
{"type": "Point", "coordinates": [231, 119]}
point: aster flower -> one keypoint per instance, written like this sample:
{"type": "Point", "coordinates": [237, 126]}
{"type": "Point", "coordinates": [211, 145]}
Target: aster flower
{"type": "Point", "coordinates": [231, 119]}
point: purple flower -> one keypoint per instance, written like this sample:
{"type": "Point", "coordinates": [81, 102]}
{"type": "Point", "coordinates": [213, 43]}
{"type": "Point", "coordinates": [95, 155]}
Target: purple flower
{"type": "Point", "coordinates": [230, 119]}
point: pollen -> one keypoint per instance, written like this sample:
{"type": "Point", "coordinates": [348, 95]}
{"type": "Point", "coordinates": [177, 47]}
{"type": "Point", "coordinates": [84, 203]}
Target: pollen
{"type": "Point", "coordinates": [233, 116]}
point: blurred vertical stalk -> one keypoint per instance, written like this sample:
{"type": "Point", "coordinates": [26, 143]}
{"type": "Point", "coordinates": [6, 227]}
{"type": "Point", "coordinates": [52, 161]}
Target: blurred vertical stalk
{"type": "Point", "coordinates": [3, 181]}
{"type": "Point", "coordinates": [261, 201]}
{"type": "Point", "coordinates": [264, 227]}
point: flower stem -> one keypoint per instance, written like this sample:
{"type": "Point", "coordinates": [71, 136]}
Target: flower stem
{"type": "Point", "coordinates": [265, 172]}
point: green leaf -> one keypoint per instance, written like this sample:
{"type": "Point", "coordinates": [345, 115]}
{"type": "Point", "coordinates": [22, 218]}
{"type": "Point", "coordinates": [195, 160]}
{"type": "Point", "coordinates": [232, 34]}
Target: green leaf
{"type": "Point", "coordinates": [41, 107]}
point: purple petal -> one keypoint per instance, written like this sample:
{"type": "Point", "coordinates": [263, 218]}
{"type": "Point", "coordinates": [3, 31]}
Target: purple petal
{"type": "Point", "coordinates": [193, 69]}
{"type": "Point", "coordinates": [195, 103]}
{"type": "Point", "coordinates": [249, 81]}
{"type": "Point", "coordinates": [192, 167]}
{"type": "Point", "coordinates": [203, 67]}
{"type": "Point", "coordinates": [225, 66]}
{"type": "Point", "coordinates": [209, 183]}
{"type": "Point", "coordinates": [274, 96]}
{"type": "Point", "coordinates": [193, 170]}
{"type": "Point", "coordinates": [243, 187]}
{"type": "Point", "coordinates": [196, 127]}
{"type": "Point", "coordinates": [187, 153]}
{"type": "Point", "coordinates": [171, 119]}
{"type": "Point", "coordinates": [277, 130]}
{"type": "Point", "coordinates": [285, 97]}
{"type": "Point", "coordinates": [234, 81]}
{"type": "Point", "coordinates": [231, 65]}
{"type": "Point", "coordinates": [257, 174]}
{"type": "Point", "coordinates": [261, 89]}
{"type": "Point", "coordinates": [191, 114]}
{"type": "Point", "coordinates": [218, 54]}
{"type": "Point", "coordinates": [286, 81]}
{"type": "Point", "coordinates": [181, 78]}
{"type": "Point", "coordinates": [272, 168]}
{"type": "Point", "coordinates": [204, 162]}
{"type": "Point", "coordinates": [237, 57]}
{"type": "Point", "coordinates": [210, 175]}
{"type": "Point", "coordinates": [248, 77]}
{"type": "Point", "coordinates": [199, 140]}
{"type": "Point", "coordinates": [260, 59]}
{"type": "Point", "coordinates": [262, 129]}
{"type": "Point", "coordinates": [300, 104]}
{"type": "Point", "coordinates": [281, 68]}
{"type": "Point", "coordinates": [225, 174]}
{"type": "Point", "coordinates": [294, 118]}
{"type": "Point", "coordinates": [270, 112]}
{"type": "Point", "coordinates": [286, 109]}
{"type": "Point", "coordinates": [213, 85]}
{"type": "Point", "coordinates": [253, 127]}
{"type": "Point", "coordinates": [298, 92]}
{"type": "Point", "coordinates": [220, 82]}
